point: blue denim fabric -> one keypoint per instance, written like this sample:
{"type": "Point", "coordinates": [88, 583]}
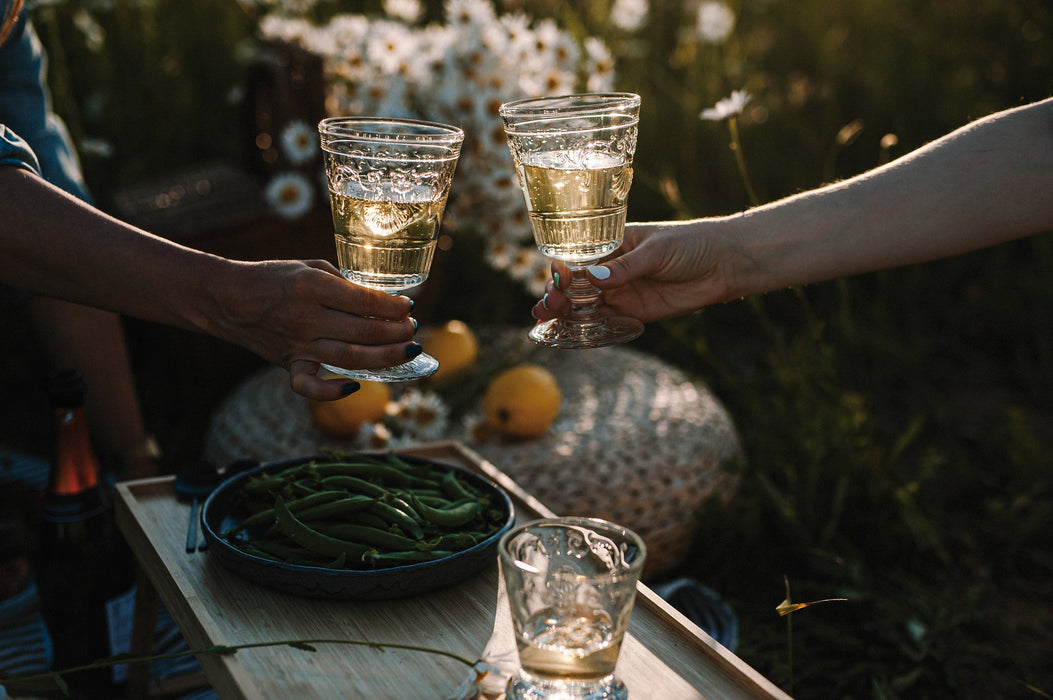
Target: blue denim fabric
{"type": "Point", "coordinates": [31, 135]}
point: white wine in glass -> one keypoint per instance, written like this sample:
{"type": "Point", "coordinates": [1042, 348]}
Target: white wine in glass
{"type": "Point", "coordinates": [573, 156]}
{"type": "Point", "coordinates": [388, 183]}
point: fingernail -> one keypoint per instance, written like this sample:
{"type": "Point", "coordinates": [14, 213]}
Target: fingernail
{"type": "Point", "coordinates": [350, 388]}
{"type": "Point", "coordinates": [555, 278]}
{"type": "Point", "coordinates": [599, 271]}
{"type": "Point", "coordinates": [411, 305]}
{"type": "Point", "coordinates": [415, 326]}
{"type": "Point", "coordinates": [544, 302]}
{"type": "Point", "coordinates": [412, 350]}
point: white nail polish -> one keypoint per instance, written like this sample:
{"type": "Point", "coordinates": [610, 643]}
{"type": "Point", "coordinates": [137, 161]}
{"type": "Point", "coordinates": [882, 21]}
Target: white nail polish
{"type": "Point", "coordinates": [599, 271]}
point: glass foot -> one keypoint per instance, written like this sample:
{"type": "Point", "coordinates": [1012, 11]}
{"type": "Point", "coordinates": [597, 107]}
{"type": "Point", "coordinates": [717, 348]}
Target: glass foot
{"type": "Point", "coordinates": [566, 334]}
{"type": "Point", "coordinates": [421, 366]}
{"type": "Point", "coordinates": [524, 686]}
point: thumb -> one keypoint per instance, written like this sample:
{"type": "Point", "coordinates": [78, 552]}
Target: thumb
{"type": "Point", "coordinates": [618, 271]}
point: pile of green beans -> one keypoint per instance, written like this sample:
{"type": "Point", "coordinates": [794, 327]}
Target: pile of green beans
{"type": "Point", "coordinates": [361, 512]}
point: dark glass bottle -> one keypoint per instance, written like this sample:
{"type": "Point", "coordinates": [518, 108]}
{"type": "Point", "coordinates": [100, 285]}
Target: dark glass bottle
{"type": "Point", "coordinates": [85, 573]}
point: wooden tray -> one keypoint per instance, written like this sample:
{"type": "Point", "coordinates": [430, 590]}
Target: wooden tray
{"type": "Point", "coordinates": [664, 656]}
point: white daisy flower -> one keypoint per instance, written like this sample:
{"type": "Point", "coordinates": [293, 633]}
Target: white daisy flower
{"type": "Point", "coordinates": [299, 142]}
{"type": "Point", "coordinates": [599, 65]}
{"type": "Point", "coordinates": [714, 22]}
{"type": "Point", "coordinates": [730, 105]}
{"type": "Point", "coordinates": [629, 15]}
{"type": "Point", "coordinates": [374, 436]}
{"type": "Point", "coordinates": [408, 11]}
{"type": "Point", "coordinates": [422, 415]}
{"type": "Point", "coordinates": [470, 14]}
{"type": "Point", "coordinates": [289, 194]}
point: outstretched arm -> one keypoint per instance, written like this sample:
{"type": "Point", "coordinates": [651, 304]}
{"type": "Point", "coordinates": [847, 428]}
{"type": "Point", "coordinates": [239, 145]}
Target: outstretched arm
{"type": "Point", "coordinates": [986, 183]}
{"type": "Point", "coordinates": [292, 313]}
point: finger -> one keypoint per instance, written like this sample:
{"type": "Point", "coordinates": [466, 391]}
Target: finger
{"type": "Point", "coordinates": [355, 356]}
{"type": "Point", "coordinates": [304, 380]}
{"type": "Point", "coordinates": [554, 303]}
{"type": "Point", "coordinates": [343, 295]}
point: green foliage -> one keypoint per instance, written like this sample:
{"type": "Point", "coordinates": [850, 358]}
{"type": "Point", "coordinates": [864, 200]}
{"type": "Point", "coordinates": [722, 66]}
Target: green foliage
{"type": "Point", "coordinates": [898, 426]}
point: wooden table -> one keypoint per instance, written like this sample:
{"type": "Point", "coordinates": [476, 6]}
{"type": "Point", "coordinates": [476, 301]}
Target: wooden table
{"type": "Point", "coordinates": [664, 656]}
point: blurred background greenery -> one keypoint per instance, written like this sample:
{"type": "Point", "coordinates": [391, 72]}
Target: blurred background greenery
{"type": "Point", "coordinates": [898, 426]}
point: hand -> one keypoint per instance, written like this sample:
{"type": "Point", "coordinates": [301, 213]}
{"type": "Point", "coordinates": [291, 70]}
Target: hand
{"type": "Point", "coordinates": [660, 271]}
{"type": "Point", "coordinates": [300, 314]}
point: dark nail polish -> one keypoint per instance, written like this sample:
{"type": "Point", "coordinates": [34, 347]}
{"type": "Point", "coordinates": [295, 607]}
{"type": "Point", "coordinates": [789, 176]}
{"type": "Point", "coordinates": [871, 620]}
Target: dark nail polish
{"type": "Point", "coordinates": [350, 388]}
{"type": "Point", "coordinates": [415, 326]}
{"type": "Point", "coordinates": [413, 350]}
{"type": "Point", "coordinates": [411, 305]}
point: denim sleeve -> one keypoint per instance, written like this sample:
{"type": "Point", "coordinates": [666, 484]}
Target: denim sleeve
{"type": "Point", "coordinates": [31, 135]}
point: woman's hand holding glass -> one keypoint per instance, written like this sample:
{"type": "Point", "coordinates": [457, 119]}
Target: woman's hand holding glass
{"type": "Point", "coordinates": [660, 271]}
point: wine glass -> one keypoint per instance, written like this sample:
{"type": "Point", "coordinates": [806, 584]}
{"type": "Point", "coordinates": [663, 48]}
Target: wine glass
{"type": "Point", "coordinates": [388, 182]}
{"type": "Point", "coordinates": [573, 156]}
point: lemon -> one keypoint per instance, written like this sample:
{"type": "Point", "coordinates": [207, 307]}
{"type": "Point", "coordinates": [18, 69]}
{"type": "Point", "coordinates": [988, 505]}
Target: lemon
{"type": "Point", "coordinates": [522, 401]}
{"type": "Point", "coordinates": [454, 345]}
{"type": "Point", "coordinates": [343, 417]}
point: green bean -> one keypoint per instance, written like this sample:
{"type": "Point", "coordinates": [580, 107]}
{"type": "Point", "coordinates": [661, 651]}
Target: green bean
{"type": "Point", "coordinates": [346, 504]}
{"type": "Point", "coordinates": [315, 541]}
{"type": "Point", "coordinates": [353, 483]}
{"type": "Point", "coordinates": [396, 517]}
{"type": "Point", "coordinates": [449, 517]}
{"type": "Point", "coordinates": [407, 557]}
{"type": "Point", "coordinates": [267, 515]}
{"type": "Point", "coordinates": [364, 534]}
{"type": "Point", "coordinates": [453, 487]}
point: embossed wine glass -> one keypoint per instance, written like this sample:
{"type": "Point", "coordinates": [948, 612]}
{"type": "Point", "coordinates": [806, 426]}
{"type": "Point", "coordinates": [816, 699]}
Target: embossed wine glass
{"type": "Point", "coordinates": [573, 155]}
{"type": "Point", "coordinates": [388, 183]}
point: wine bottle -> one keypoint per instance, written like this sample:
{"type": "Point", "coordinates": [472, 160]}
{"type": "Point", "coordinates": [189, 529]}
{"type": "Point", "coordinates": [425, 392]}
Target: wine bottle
{"type": "Point", "coordinates": [85, 573]}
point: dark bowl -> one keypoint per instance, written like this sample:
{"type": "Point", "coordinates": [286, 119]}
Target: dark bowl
{"type": "Point", "coordinates": [219, 515]}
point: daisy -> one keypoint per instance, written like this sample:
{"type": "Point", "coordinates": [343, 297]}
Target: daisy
{"type": "Point", "coordinates": [731, 105]}
{"type": "Point", "coordinates": [289, 194]}
{"type": "Point", "coordinates": [409, 11]}
{"type": "Point", "coordinates": [599, 65]}
{"type": "Point", "coordinates": [471, 14]}
{"type": "Point", "coordinates": [299, 142]}
{"type": "Point", "coordinates": [715, 22]}
{"type": "Point", "coordinates": [422, 415]}
{"type": "Point", "coordinates": [629, 15]}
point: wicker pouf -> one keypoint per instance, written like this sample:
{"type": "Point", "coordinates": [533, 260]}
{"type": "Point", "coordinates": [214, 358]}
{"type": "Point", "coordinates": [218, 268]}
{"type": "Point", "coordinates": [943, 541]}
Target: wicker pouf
{"type": "Point", "coordinates": [636, 441]}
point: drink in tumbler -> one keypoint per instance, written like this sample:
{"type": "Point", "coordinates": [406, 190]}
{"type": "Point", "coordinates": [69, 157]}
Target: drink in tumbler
{"type": "Point", "coordinates": [577, 214]}
{"type": "Point", "coordinates": [571, 585]}
{"type": "Point", "coordinates": [385, 244]}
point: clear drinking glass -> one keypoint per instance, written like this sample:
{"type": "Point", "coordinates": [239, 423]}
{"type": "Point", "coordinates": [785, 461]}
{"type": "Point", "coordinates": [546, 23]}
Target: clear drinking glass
{"type": "Point", "coordinates": [388, 182]}
{"type": "Point", "coordinates": [571, 585]}
{"type": "Point", "coordinates": [573, 155]}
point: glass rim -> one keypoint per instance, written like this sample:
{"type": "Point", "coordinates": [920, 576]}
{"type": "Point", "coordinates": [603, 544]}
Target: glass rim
{"type": "Point", "coordinates": [570, 104]}
{"type": "Point", "coordinates": [412, 130]}
{"type": "Point", "coordinates": [596, 524]}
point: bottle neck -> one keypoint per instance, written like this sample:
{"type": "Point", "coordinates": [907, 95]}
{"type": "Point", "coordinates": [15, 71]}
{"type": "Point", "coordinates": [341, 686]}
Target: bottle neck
{"type": "Point", "coordinates": [75, 468]}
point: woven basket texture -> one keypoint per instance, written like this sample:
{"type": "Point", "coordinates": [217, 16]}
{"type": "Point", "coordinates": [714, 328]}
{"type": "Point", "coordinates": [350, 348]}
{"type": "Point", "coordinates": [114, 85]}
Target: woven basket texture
{"type": "Point", "coordinates": [637, 441]}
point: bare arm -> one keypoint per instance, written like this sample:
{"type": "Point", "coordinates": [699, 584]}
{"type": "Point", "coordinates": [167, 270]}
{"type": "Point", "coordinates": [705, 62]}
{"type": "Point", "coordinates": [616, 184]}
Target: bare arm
{"type": "Point", "coordinates": [986, 183]}
{"type": "Point", "coordinates": [292, 313]}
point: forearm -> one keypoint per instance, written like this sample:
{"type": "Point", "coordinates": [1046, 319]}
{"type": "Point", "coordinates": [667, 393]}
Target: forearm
{"type": "Point", "coordinates": [53, 244]}
{"type": "Point", "coordinates": [984, 184]}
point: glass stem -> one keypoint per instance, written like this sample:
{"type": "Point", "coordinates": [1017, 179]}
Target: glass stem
{"type": "Point", "coordinates": [583, 298]}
